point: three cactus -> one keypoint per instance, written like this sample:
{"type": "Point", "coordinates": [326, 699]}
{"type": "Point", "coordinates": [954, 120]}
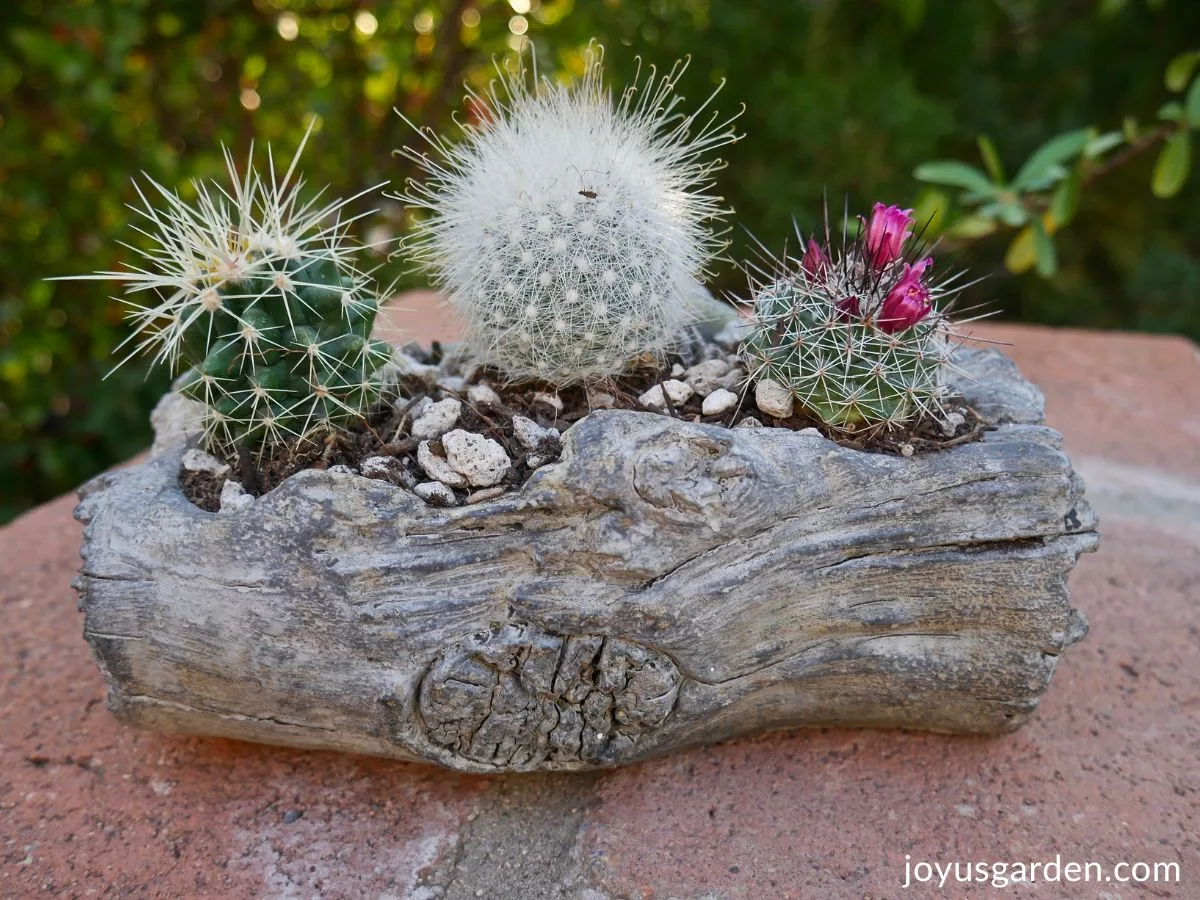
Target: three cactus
{"type": "Point", "coordinates": [569, 229]}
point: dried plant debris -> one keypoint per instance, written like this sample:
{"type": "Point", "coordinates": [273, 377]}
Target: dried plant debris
{"type": "Point", "coordinates": [454, 433]}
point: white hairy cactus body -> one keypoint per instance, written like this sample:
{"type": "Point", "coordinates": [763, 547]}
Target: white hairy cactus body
{"type": "Point", "coordinates": [569, 228]}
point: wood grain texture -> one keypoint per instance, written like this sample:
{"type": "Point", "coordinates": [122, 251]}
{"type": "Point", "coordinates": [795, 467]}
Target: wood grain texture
{"type": "Point", "coordinates": [665, 583]}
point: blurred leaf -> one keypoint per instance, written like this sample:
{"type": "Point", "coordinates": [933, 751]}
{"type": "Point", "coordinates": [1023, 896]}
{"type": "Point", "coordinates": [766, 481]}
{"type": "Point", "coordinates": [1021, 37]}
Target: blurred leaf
{"type": "Point", "coordinates": [955, 174]}
{"type": "Point", "coordinates": [1171, 111]}
{"type": "Point", "coordinates": [1179, 70]}
{"type": "Point", "coordinates": [1022, 252]}
{"type": "Point", "coordinates": [1129, 127]}
{"type": "Point", "coordinates": [1174, 162]}
{"type": "Point", "coordinates": [1043, 248]}
{"type": "Point", "coordinates": [1065, 201]}
{"type": "Point", "coordinates": [1101, 144]}
{"type": "Point", "coordinates": [1012, 214]}
{"type": "Point", "coordinates": [971, 227]}
{"type": "Point", "coordinates": [929, 211]}
{"type": "Point", "coordinates": [1191, 109]}
{"type": "Point", "coordinates": [991, 159]}
{"type": "Point", "coordinates": [1110, 8]}
{"type": "Point", "coordinates": [1044, 166]}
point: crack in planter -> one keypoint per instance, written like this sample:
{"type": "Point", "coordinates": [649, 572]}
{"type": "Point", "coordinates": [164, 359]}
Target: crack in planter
{"type": "Point", "coordinates": [517, 696]}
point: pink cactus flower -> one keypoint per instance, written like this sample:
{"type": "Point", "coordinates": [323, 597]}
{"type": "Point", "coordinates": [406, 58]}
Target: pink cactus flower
{"type": "Point", "coordinates": [889, 228]}
{"type": "Point", "coordinates": [907, 303]}
{"type": "Point", "coordinates": [815, 261]}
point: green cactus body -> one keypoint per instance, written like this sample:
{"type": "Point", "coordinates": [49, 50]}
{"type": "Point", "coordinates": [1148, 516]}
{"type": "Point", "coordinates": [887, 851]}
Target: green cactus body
{"type": "Point", "coordinates": [255, 297]}
{"type": "Point", "coordinates": [856, 332]}
{"type": "Point", "coordinates": [844, 370]}
{"type": "Point", "coordinates": [281, 350]}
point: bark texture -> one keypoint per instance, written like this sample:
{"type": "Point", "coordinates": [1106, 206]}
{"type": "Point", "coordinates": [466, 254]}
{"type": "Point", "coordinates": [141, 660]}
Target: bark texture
{"type": "Point", "coordinates": [663, 584]}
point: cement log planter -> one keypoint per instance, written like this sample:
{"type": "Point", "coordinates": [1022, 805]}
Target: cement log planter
{"type": "Point", "coordinates": [663, 584]}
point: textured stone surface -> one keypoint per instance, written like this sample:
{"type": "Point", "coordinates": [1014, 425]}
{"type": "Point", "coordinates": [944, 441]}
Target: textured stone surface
{"type": "Point", "coordinates": [1107, 770]}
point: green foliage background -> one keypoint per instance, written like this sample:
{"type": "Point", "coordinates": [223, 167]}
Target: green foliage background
{"type": "Point", "coordinates": [844, 96]}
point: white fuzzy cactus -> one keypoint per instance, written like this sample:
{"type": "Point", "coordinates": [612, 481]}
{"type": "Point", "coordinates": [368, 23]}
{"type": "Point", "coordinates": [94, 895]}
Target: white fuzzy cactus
{"type": "Point", "coordinates": [570, 228]}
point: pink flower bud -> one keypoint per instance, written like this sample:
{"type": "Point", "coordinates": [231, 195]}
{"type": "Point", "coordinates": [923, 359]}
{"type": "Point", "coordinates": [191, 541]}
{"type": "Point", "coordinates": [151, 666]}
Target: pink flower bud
{"type": "Point", "coordinates": [907, 303]}
{"type": "Point", "coordinates": [889, 228]}
{"type": "Point", "coordinates": [815, 261]}
{"type": "Point", "coordinates": [848, 308]}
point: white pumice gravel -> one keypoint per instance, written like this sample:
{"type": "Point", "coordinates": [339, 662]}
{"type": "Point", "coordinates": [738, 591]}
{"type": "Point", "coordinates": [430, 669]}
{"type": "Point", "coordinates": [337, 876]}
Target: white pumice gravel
{"type": "Point", "coordinates": [679, 393]}
{"type": "Point", "coordinates": [705, 377]}
{"type": "Point", "coordinates": [435, 494]}
{"type": "Point", "coordinates": [749, 422]}
{"type": "Point", "coordinates": [530, 434]}
{"type": "Point", "coordinates": [234, 497]}
{"type": "Point", "coordinates": [719, 401]}
{"type": "Point", "coordinates": [437, 468]}
{"type": "Point", "coordinates": [773, 399]}
{"type": "Point", "coordinates": [340, 469]}
{"type": "Point", "coordinates": [481, 460]}
{"type": "Point", "coordinates": [482, 395]}
{"type": "Point", "coordinates": [196, 460]}
{"type": "Point", "coordinates": [437, 419]}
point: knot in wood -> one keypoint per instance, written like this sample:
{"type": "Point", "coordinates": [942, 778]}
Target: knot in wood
{"type": "Point", "coordinates": [521, 698]}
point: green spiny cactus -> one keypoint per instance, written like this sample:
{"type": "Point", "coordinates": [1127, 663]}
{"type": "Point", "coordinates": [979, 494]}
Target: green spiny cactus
{"type": "Point", "coordinates": [855, 333]}
{"type": "Point", "coordinates": [257, 300]}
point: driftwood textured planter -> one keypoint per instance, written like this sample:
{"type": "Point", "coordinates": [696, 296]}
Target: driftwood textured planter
{"type": "Point", "coordinates": [663, 584]}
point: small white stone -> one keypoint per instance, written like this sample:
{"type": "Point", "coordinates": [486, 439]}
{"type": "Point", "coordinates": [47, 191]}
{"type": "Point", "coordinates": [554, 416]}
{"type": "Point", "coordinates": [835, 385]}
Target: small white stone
{"type": "Point", "coordinates": [452, 383]}
{"type": "Point", "coordinates": [480, 459]}
{"type": "Point", "coordinates": [601, 400]}
{"type": "Point", "coordinates": [719, 401]}
{"type": "Point", "coordinates": [551, 400]}
{"type": "Point", "coordinates": [951, 423]}
{"type": "Point", "coordinates": [679, 393]}
{"type": "Point", "coordinates": [234, 497]}
{"type": "Point", "coordinates": [486, 494]}
{"type": "Point", "coordinates": [437, 467]}
{"type": "Point", "coordinates": [482, 395]}
{"type": "Point", "coordinates": [812, 432]}
{"type": "Point", "coordinates": [535, 461]}
{"type": "Point", "coordinates": [405, 365]}
{"type": "Point", "coordinates": [418, 408]}
{"type": "Point", "coordinates": [704, 377]}
{"type": "Point", "coordinates": [906, 450]}
{"type": "Point", "coordinates": [196, 460]}
{"type": "Point", "coordinates": [749, 422]}
{"type": "Point", "coordinates": [340, 469]}
{"type": "Point", "coordinates": [435, 494]}
{"type": "Point", "coordinates": [733, 379]}
{"type": "Point", "coordinates": [677, 371]}
{"type": "Point", "coordinates": [437, 419]}
{"type": "Point", "coordinates": [773, 399]}
{"type": "Point", "coordinates": [531, 434]}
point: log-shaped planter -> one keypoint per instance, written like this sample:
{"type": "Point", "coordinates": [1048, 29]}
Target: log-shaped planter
{"type": "Point", "coordinates": [663, 584]}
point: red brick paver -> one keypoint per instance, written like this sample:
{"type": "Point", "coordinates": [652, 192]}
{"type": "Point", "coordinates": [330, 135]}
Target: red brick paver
{"type": "Point", "coordinates": [1108, 771]}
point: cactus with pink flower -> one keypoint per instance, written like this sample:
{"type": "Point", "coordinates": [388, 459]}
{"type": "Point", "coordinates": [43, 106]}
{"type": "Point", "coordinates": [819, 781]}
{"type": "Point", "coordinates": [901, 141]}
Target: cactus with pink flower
{"type": "Point", "coordinates": [855, 328]}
